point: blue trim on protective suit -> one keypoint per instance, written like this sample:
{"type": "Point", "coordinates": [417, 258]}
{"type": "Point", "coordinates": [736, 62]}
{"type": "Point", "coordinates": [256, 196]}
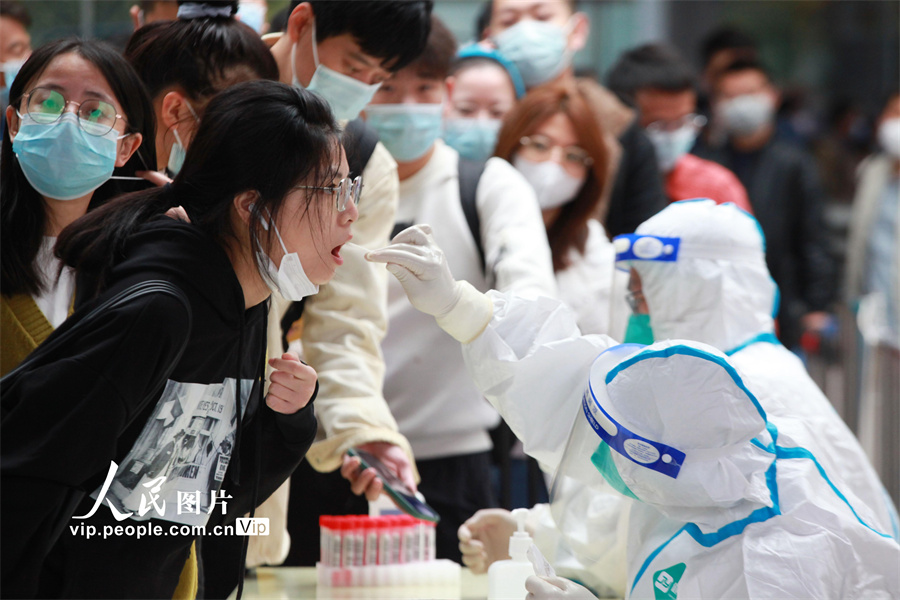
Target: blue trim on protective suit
{"type": "Point", "coordinates": [800, 452]}
{"type": "Point", "coordinates": [688, 351]}
{"type": "Point", "coordinates": [769, 338]}
{"type": "Point", "coordinates": [708, 540]}
{"type": "Point", "coordinates": [803, 453]}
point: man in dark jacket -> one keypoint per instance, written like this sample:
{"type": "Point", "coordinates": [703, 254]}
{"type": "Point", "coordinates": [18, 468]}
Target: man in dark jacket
{"type": "Point", "coordinates": [785, 193]}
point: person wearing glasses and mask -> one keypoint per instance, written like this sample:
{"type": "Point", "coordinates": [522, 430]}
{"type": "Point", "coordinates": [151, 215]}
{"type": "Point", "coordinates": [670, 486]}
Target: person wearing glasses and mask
{"type": "Point", "coordinates": [657, 81]}
{"type": "Point", "coordinates": [552, 138]}
{"type": "Point", "coordinates": [166, 349]}
{"type": "Point", "coordinates": [77, 118]}
{"type": "Point", "coordinates": [343, 51]}
{"type": "Point", "coordinates": [541, 38]}
{"type": "Point", "coordinates": [445, 418]}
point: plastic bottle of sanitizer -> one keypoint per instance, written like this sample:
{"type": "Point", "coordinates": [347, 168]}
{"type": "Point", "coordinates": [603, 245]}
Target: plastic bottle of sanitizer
{"type": "Point", "coordinates": [506, 578]}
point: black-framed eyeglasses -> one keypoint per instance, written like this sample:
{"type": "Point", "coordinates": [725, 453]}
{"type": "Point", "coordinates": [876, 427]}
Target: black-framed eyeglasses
{"type": "Point", "coordinates": [345, 191]}
{"type": "Point", "coordinates": [46, 106]}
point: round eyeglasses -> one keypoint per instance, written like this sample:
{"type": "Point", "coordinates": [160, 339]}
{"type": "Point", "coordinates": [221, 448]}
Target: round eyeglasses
{"type": "Point", "coordinates": [46, 106]}
{"type": "Point", "coordinates": [345, 191]}
{"type": "Point", "coordinates": [539, 148]}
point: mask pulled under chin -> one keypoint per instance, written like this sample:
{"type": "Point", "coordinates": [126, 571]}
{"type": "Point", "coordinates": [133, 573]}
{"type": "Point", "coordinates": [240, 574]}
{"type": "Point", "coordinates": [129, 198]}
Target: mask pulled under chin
{"type": "Point", "coordinates": [552, 185]}
{"type": "Point", "coordinates": [288, 279]}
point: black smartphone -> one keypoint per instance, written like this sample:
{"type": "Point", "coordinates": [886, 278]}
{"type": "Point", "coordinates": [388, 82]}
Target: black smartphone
{"type": "Point", "coordinates": [405, 499]}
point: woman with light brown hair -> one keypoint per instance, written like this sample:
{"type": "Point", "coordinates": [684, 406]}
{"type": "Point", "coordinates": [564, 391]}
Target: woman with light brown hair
{"type": "Point", "coordinates": [554, 140]}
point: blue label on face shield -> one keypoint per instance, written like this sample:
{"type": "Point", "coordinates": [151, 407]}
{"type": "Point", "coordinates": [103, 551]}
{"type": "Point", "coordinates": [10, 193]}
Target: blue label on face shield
{"type": "Point", "coordinates": [633, 246]}
{"type": "Point", "coordinates": [647, 453]}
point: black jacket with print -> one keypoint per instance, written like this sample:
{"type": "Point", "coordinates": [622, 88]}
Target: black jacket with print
{"type": "Point", "coordinates": [108, 394]}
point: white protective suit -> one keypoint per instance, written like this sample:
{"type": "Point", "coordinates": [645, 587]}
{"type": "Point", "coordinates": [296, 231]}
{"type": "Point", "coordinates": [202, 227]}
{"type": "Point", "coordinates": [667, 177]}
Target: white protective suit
{"type": "Point", "coordinates": [715, 288]}
{"type": "Point", "coordinates": [729, 507]}
{"type": "Point", "coordinates": [531, 361]}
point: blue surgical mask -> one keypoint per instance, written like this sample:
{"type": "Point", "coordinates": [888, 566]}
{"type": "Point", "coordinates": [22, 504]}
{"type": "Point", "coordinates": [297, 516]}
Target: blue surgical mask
{"type": "Point", "coordinates": [10, 70]}
{"type": "Point", "coordinates": [639, 330]}
{"type": "Point", "coordinates": [346, 96]}
{"type": "Point", "coordinates": [408, 131]}
{"type": "Point", "coordinates": [538, 49]}
{"type": "Point", "coordinates": [179, 150]}
{"type": "Point", "coordinates": [252, 15]}
{"type": "Point", "coordinates": [474, 139]}
{"type": "Point", "coordinates": [60, 160]}
{"type": "Point", "coordinates": [670, 146]}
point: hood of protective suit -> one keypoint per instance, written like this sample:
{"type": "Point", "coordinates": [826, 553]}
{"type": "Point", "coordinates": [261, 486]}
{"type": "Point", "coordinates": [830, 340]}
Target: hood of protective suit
{"type": "Point", "coordinates": [718, 289]}
{"type": "Point", "coordinates": [672, 425]}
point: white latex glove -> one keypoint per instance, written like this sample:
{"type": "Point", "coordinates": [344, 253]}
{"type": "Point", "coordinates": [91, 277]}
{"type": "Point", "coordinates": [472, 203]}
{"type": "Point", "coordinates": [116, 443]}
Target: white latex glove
{"type": "Point", "coordinates": [419, 264]}
{"type": "Point", "coordinates": [555, 588]}
{"type": "Point", "coordinates": [484, 538]}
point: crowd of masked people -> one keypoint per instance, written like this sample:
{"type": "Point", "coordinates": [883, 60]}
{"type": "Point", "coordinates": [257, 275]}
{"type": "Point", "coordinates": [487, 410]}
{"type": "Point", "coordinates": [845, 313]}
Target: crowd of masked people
{"type": "Point", "coordinates": [218, 146]}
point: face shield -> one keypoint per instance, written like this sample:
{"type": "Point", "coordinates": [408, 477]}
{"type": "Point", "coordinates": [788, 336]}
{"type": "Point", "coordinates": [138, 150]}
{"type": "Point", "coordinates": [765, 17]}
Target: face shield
{"type": "Point", "coordinates": [634, 311]}
{"type": "Point", "coordinates": [668, 425]}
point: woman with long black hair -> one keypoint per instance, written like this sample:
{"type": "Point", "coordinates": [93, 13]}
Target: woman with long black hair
{"type": "Point", "coordinates": [153, 387]}
{"type": "Point", "coordinates": [77, 121]}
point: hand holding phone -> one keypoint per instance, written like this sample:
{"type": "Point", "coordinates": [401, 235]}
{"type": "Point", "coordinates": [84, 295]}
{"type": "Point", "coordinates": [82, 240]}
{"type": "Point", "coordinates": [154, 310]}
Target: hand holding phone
{"type": "Point", "coordinates": [412, 503]}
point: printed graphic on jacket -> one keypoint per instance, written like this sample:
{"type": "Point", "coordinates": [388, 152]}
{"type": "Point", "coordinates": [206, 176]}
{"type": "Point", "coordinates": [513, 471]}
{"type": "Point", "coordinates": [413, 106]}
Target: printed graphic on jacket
{"type": "Point", "coordinates": [179, 461]}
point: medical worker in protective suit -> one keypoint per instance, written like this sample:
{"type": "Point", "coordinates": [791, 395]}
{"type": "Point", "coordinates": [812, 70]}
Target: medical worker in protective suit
{"type": "Point", "coordinates": [697, 268]}
{"type": "Point", "coordinates": [741, 523]}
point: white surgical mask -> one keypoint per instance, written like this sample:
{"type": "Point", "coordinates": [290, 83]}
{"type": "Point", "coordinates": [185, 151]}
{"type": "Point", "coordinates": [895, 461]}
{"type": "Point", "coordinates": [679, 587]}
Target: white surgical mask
{"type": "Point", "coordinates": [346, 96]}
{"type": "Point", "coordinates": [552, 185]}
{"type": "Point", "coordinates": [670, 146]}
{"type": "Point", "coordinates": [538, 49]}
{"type": "Point", "coordinates": [746, 114]}
{"type": "Point", "coordinates": [889, 136]}
{"type": "Point", "coordinates": [179, 150]}
{"type": "Point", "coordinates": [289, 279]}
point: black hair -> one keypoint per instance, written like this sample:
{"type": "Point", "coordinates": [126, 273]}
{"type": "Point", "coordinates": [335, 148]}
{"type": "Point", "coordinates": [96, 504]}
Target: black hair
{"type": "Point", "coordinates": [650, 66]}
{"type": "Point", "coordinates": [233, 4]}
{"type": "Point", "coordinates": [22, 216]}
{"type": "Point", "coordinates": [280, 20]}
{"type": "Point", "coordinates": [15, 11]}
{"type": "Point", "coordinates": [483, 20]}
{"type": "Point", "coordinates": [745, 64]}
{"type": "Point", "coordinates": [726, 38]}
{"type": "Point", "coordinates": [393, 30]}
{"type": "Point", "coordinates": [439, 53]}
{"type": "Point", "coordinates": [294, 138]}
{"type": "Point", "coordinates": [201, 55]}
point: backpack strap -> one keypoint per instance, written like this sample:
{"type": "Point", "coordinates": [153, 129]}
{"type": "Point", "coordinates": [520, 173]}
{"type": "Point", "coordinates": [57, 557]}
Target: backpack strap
{"type": "Point", "coordinates": [359, 142]}
{"type": "Point", "coordinates": [469, 174]}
